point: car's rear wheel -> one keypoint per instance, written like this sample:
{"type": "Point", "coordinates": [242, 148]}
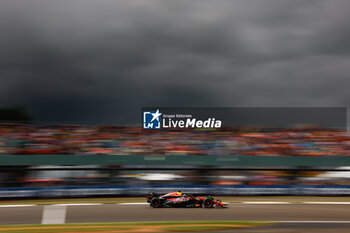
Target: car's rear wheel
{"type": "Point", "coordinates": [208, 203]}
{"type": "Point", "coordinates": [155, 202]}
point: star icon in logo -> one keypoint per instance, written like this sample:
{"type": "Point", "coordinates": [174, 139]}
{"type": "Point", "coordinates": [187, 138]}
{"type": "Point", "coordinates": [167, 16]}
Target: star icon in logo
{"type": "Point", "coordinates": [156, 115]}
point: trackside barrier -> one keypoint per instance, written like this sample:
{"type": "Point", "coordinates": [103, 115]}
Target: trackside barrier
{"type": "Point", "coordinates": [95, 191]}
{"type": "Point", "coordinates": [179, 160]}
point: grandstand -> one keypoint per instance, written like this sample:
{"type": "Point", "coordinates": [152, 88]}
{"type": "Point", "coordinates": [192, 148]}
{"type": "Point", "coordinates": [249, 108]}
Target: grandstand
{"type": "Point", "coordinates": [117, 140]}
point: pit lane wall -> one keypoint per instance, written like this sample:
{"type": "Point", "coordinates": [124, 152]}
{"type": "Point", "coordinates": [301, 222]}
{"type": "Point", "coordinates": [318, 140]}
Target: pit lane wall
{"type": "Point", "coordinates": [175, 160]}
{"type": "Point", "coordinates": [154, 161]}
{"type": "Point", "coordinates": [218, 190]}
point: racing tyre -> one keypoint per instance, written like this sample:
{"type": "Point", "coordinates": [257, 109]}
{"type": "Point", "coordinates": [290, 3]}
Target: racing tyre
{"type": "Point", "coordinates": [155, 202]}
{"type": "Point", "coordinates": [208, 203]}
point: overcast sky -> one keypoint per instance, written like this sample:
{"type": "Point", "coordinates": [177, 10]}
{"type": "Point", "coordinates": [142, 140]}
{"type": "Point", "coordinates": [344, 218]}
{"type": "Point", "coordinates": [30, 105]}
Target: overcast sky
{"type": "Point", "coordinates": [102, 60]}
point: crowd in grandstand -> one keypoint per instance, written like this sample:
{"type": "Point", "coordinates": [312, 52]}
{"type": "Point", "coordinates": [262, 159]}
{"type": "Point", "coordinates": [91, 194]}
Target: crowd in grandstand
{"type": "Point", "coordinates": [113, 140]}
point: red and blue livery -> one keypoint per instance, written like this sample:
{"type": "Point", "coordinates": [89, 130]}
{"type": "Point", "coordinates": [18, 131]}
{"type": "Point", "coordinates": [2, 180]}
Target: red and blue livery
{"type": "Point", "coordinates": [179, 199]}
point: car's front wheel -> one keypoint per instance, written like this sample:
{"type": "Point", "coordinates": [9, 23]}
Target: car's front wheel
{"type": "Point", "coordinates": [208, 203]}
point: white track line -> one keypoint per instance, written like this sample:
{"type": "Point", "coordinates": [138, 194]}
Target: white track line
{"type": "Point", "coordinates": [280, 202]}
{"type": "Point", "coordinates": [78, 204]}
{"type": "Point", "coordinates": [229, 203]}
{"type": "Point", "coordinates": [54, 215]}
{"type": "Point", "coordinates": [133, 203]}
{"type": "Point", "coordinates": [16, 205]}
{"type": "Point", "coordinates": [327, 203]}
{"type": "Point", "coordinates": [263, 202]}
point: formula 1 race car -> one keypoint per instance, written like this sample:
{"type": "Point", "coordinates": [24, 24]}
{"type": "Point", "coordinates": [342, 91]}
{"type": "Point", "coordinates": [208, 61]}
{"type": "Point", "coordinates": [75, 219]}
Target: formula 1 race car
{"type": "Point", "coordinates": [179, 199]}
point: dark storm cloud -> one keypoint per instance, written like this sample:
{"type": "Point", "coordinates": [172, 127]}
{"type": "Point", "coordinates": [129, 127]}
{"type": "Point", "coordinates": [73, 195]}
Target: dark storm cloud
{"type": "Point", "coordinates": [103, 60]}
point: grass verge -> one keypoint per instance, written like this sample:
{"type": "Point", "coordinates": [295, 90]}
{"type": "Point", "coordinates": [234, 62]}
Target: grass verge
{"type": "Point", "coordinates": [196, 228]}
{"type": "Point", "coordinates": [130, 227]}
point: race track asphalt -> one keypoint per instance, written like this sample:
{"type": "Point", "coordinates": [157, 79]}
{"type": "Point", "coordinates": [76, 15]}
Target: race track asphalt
{"type": "Point", "coordinates": [134, 211]}
{"type": "Point", "coordinates": [239, 212]}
